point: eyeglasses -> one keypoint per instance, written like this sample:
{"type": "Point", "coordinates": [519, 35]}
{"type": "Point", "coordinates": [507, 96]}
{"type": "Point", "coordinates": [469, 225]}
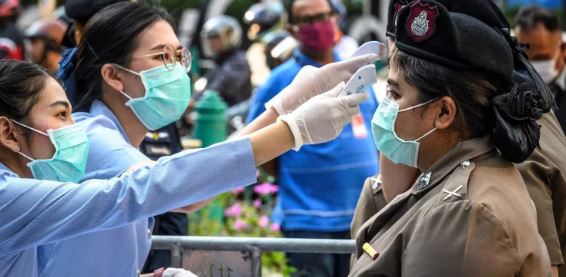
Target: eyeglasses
{"type": "Point", "coordinates": [303, 20]}
{"type": "Point", "coordinates": [170, 56]}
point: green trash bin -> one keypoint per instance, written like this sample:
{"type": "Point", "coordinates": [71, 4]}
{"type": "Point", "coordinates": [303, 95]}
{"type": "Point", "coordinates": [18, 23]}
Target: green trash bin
{"type": "Point", "coordinates": [210, 119]}
{"type": "Point", "coordinates": [210, 128]}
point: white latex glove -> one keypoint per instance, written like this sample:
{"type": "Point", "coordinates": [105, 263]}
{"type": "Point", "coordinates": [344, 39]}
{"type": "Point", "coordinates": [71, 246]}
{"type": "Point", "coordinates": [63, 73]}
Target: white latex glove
{"type": "Point", "coordinates": [312, 81]}
{"type": "Point", "coordinates": [323, 117]}
{"type": "Point", "coordinates": [177, 272]}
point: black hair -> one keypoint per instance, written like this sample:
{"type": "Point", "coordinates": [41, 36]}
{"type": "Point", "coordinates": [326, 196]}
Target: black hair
{"type": "Point", "coordinates": [471, 91]}
{"type": "Point", "coordinates": [507, 112]}
{"type": "Point", "coordinates": [110, 37]}
{"type": "Point", "coordinates": [289, 8]}
{"type": "Point", "coordinates": [530, 16]}
{"type": "Point", "coordinates": [20, 84]}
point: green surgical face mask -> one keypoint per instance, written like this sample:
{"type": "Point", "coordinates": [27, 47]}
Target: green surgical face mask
{"type": "Point", "coordinates": [167, 95]}
{"type": "Point", "coordinates": [69, 160]}
{"type": "Point", "coordinates": [396, 149]}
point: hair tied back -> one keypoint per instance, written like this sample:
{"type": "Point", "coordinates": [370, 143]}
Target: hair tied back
{"type": "Point", "coordinates": [517, 132]}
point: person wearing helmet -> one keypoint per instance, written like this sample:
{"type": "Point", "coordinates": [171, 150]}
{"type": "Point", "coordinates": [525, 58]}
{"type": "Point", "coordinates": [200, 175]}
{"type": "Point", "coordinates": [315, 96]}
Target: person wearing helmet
{"type": "Point", "coordinates": [264, 18]}
{"type": "Point", "coordinates": [279, 47]}
{"type": "Point", "coordinates": [221, 37]}
{"type": "Point", "coordinates": [46, 36]}
{"type": "Point", "coordinates": [266, 28]}
{"type": "Point", "coordinates": [11, 38]}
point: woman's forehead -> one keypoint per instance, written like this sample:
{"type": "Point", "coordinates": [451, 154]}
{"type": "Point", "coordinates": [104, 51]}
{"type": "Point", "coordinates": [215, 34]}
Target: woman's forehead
{"type": "Point", "coordinates": [157, 35]}
{"type": "Point", "coordinates": [50, 95]}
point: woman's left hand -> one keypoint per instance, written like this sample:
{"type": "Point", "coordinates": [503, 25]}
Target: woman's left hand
{"type": "Point", "coordinates": [312, 81]}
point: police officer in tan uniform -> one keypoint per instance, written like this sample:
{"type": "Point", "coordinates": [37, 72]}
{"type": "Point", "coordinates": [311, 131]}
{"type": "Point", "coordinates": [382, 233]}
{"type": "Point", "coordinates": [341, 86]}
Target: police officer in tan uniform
{"type": "Point", "coordinates": [454, 112]}
{"type": "Point", "coordinates": [542, 171]}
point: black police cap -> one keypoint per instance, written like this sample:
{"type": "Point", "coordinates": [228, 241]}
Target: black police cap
{"type": "Point", "coordinates": [483, 10]}
{"type": "Point", "coordinates": [83, 10]}
{"type": "Point", "coordinates": [425, 29]}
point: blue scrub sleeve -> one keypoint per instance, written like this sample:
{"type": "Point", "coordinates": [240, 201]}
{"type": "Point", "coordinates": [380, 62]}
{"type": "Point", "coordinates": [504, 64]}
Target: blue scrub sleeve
{"type": "Point", "coordinates": [36, 212]}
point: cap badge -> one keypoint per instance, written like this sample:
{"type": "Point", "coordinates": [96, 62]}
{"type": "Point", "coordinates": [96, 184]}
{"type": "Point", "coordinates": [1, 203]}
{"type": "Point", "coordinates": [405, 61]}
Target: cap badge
{"type": "Point", "coordinates": [421, 23]}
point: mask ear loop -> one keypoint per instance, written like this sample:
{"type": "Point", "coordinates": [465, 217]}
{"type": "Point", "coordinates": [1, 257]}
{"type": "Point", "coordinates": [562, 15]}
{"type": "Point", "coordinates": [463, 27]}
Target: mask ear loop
{"type": "Point", "coordinates": [127, 96]}
{"type": "Point", "coordinates": [130, 71]}
{"type": "Point", "coordinates": [127, 69]}
{"type": "Point", "coordinates": [25, 156]}
{"type": "Point", "coordinates": [426, 134]}
{"type": "Point", "coordinates": [419, 105]}
{"type": "Point", "coordinates": [30, 128]}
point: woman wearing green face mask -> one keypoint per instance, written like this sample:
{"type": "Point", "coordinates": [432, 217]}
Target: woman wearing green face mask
{"type": "Point", "coordinates": [454, 111]}
{"type": "Point", "coordinates": [40, 139]}
{"type": "Point", "coordinates": [131, 78]}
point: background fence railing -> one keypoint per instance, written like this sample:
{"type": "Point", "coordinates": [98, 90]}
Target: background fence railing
{"type": "Point", "coordinates": [237, 256]}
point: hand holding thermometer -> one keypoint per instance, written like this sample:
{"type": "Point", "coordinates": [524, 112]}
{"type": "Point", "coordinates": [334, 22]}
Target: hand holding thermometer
{"type": "Point", "coordinates": [360, 81]}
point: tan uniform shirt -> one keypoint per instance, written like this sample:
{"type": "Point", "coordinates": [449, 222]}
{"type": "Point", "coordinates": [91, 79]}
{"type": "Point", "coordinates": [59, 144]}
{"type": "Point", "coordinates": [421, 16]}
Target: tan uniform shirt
{"type": "Point", "coordinates": [470, 215]}
{"type": "Point", "coordinates": [545, 175]}
{"type": "Point", "coordinates": [370, 202]}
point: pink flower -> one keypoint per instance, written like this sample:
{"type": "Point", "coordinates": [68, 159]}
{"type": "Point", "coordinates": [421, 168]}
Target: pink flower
{"type": "Point", "coordinates": [275, 227]}
{"type": "Point", "coordinates": [234, 210]}
{"type": "Point", "coordinates": [238, 190]}
{"type": "Point", "coordinates": [239, 225]}
{"type": "Point", "coordinates": [263, 221]}
{"type": "Point", "coordinates": [266, 189]}
{"type": "Point", "coordinates": [257, 203]}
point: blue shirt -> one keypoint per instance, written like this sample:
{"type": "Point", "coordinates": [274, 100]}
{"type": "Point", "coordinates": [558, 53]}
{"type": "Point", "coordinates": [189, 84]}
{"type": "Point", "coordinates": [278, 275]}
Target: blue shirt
{"type": "Point", "coordinates": [38, 212]}
{"type": "Point", "coordinates": [122, 250]}
{"type": "Point", "coordinates": [127, 247]}
{"type": "Point", "coordinates": [320, 184]}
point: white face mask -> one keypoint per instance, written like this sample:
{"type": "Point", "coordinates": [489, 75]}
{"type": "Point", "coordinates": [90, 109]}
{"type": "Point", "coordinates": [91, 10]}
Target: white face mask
{"type": "Point", "coordinates": [546, 69]}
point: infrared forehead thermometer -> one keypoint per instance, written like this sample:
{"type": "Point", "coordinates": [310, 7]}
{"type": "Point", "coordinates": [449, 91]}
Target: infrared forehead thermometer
{"type": "Point", "coordinates": [371, 47]}
{"type": "Point", "coordinates": [360, 81]}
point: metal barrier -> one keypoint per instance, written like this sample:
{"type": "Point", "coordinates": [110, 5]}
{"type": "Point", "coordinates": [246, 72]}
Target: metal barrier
{"type": "Point", "coordinates": [237, 256]}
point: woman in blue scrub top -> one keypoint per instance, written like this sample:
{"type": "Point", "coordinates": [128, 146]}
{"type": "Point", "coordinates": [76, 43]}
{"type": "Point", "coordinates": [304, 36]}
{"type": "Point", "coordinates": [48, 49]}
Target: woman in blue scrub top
{"type": "Point", "coordinates": [131, 75]}
{"type": "Point", "coordinates": [42, 150]}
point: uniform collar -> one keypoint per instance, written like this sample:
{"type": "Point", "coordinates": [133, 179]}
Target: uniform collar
{"type": "Point", "coordinates": [459, 155]}
{"type": "Point", "coordinates": [303, 60]}
{"type": "Point", "coordinates": [99, 108]}
{"type": "Point", "coordinates": [458, 158]}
